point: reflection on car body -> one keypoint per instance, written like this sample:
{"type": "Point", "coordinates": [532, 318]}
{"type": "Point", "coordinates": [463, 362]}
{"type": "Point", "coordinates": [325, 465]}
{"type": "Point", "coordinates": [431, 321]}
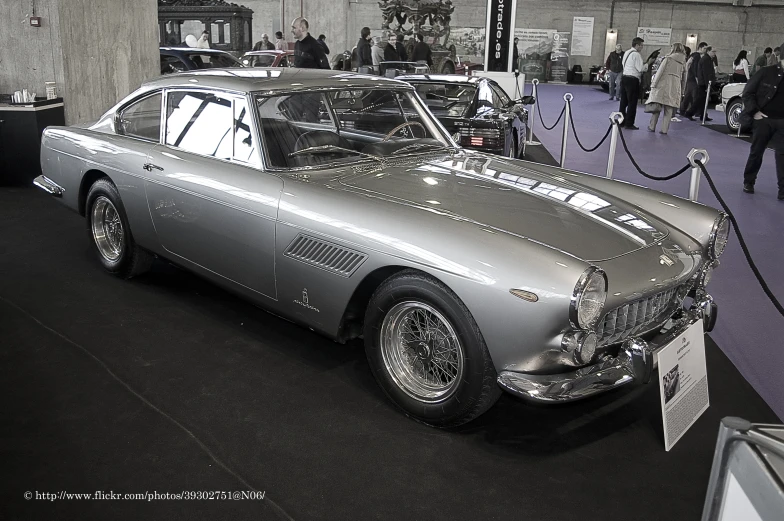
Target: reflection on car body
{"type": "Point", "coordinates": [339, 202]}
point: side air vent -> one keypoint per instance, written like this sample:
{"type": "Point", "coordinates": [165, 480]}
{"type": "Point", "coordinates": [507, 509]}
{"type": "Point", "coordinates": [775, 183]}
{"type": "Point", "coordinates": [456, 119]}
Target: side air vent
{"type": "Point", "coordinates": [325, 255]}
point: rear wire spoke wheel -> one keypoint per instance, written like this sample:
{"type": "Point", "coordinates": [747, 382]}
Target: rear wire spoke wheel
{"type": "Point", "coordinates": [426, 351]}
{"type": "Point", "coordinates": [110, 233]}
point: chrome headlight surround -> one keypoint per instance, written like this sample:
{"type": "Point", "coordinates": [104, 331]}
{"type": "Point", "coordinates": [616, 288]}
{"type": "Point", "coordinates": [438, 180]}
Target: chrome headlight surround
{"type": "Point", "coordinates": [581, 345]}
{"type": "Point", "coordinates": [588, 299]}
{"type": "Point", "coordinates": [719, 236]}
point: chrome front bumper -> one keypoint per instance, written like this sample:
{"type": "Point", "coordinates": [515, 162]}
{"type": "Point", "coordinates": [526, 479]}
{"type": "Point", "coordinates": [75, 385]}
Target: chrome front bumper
{"type": "Point", "coordinates": [48, 186]}
{"type": "Point", "coordinates": [635, 363]}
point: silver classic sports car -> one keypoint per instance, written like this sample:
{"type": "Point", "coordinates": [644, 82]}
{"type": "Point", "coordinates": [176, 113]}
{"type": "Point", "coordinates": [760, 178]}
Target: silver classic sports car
{"type": "Point", "coordinates": [338, 201]}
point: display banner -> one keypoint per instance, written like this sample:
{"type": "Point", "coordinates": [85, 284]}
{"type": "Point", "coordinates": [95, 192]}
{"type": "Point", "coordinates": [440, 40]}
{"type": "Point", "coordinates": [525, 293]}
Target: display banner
{"type": "Point", "coordinates": [582, 35]}
{"type": "Point", "coordinates": [500, 21]}
{"type": "Point", "coordinates": [683, 383]}
{"type": "Point", "coordinates": [559, 58]}
{"type": "Point", "coordinates": [655, 36]}
{"type": "Point", "coordinates": [534, 47]}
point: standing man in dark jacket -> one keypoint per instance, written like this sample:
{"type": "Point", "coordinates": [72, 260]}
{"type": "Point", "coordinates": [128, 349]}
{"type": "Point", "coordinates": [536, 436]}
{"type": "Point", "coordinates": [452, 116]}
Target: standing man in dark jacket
{"type": "Point", "coordinates": [706, 74]}
{"type": "Point", "coordinates": [364, 57]}
{"type": "Point", "coordinates": [763, 110]}
{"type": "Point", "coordinates": [308, 54]}
{"type": "Point", "coordinates": [615, 69]}
{"type": "Point", "coordinates": [422, 52]}
{"type": "Point", "coordinates": [689, 104]}
{"type": "Point", "coordinates": [322, 41]}
{"type": "Point", "coordinates": [400, 48]}
{"type": "Point", "coordinates": [390, 53]}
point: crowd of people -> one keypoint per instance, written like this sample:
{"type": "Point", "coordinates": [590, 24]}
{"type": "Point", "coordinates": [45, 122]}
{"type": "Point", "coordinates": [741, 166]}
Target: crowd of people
{"type": "Point", "coordinates": [682, 83]}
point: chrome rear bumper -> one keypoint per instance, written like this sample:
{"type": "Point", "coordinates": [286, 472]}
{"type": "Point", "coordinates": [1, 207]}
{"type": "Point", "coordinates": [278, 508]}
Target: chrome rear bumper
{"type": "Point", "coordinates": [48, 186]}
{"type": "Point", "coordinates": [635, 363]}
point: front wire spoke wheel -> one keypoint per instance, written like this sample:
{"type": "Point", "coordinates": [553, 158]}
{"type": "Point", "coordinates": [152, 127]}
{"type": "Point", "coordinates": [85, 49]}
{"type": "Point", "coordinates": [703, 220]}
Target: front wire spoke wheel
{"type": "Point", "coordinates": [421, 351]}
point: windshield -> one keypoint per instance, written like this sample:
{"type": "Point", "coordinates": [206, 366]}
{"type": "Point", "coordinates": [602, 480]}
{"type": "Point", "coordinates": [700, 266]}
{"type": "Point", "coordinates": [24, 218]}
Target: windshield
{"type": "Point", "coordinates": [315, 129]}
{"type": "Point", "coordinates": [446, 99]}
{"type": "Point", "coordinates": [214, 61]}
{"type": "Point", "coordinates": [259, 60]}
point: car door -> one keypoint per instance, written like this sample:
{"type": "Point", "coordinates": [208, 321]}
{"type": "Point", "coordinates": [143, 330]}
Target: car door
{"type": "Point", "coordinates": [210, 202]}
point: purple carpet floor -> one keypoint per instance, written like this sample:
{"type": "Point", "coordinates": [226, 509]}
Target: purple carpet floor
{"type": "Point", "coordinates": [749, 328]}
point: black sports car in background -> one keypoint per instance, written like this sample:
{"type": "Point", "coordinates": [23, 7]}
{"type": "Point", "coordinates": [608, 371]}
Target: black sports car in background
{"type": "Point", "coordinates": [180, 59]}
{"type": "Point", "coordinates": [475, 110]}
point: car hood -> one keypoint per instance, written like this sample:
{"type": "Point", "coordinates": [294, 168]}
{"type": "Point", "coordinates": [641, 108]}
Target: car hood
{"type": "Point", "coordinates": [514, 197]}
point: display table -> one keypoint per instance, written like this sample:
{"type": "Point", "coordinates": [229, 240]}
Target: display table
{"type": "Point", "coordinates": [21, 126]}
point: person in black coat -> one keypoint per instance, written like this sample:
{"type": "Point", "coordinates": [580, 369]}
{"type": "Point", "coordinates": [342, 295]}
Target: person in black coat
{"type": "Point", "coordinates": [322, 41]}
{"type": "Point", "coordinates": [706, 74]}
{"type": "Point", "coordinates": [390, 53]}
{"type": "Point", "coordinates": [308, 54]}
{"type": "Point", "coordinates": [422, 52]}
{"type": "Point", "coordinates": [400, 48]}
{"type": "Point", "coordinates": [690, 95]}
{"type": "Point", "coordinates": [763, 111]}
{"type": "Point", "coordinates": [364, 57]}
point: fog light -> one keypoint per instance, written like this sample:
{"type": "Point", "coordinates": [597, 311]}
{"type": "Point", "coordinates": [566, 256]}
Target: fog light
{"type": "Point", "coordinates": [581, 344]}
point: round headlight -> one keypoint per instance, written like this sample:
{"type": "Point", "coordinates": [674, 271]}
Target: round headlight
{"type": "Point", "coordinates": [719, 236]}
{"type": "Point", "coordinates": [588, 298]}
{"type": "Point", "coordinates": [707, 273]}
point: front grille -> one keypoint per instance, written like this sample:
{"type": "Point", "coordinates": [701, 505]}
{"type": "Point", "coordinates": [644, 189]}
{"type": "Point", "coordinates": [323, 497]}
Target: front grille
{"type": "Point", "coordinates": [638, 316]}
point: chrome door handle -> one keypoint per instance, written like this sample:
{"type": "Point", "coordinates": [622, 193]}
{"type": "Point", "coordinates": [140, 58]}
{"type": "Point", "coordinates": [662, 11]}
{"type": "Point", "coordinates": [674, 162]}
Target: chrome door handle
{"type": "Point", "coordinates": [149, 167]}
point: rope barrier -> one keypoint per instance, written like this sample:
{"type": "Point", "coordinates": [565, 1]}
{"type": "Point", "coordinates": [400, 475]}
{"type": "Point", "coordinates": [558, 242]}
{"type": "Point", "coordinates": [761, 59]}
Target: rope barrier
{"type": "Point", "coordinates": [539, 110]}
{"type": "Point", "coordinates": [741, 241]}
{"type": "Point", "coordinates": [574, 131]}
{"type": "Point", "coordinates": [655, 178]}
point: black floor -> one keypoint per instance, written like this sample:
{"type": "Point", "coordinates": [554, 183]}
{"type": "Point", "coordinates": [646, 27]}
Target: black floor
{"type": "Point", "coordinates": [166, 383]}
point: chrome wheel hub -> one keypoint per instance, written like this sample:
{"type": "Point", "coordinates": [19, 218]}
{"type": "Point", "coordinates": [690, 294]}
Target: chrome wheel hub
{"type": "Point", "coordinates": [107, 229]}
{"type": "Point", "coordinates": [734, 116]}
{"type": "Point", "coordinates": [421, 351]}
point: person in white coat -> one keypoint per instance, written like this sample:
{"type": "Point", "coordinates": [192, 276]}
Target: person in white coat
{"type": "Point", "coordinates": [666, 88]}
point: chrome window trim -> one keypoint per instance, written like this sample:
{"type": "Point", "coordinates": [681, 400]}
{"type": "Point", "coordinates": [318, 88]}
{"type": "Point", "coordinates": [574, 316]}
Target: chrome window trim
{"type": "Point", "coordinates": [231, 96]}
{"type": "Point", "coordinates": [118, 114]}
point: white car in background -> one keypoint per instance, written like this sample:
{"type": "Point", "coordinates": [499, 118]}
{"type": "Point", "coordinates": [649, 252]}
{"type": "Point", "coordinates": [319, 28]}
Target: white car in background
{"type": "Point", "coordinates": [732, 104]}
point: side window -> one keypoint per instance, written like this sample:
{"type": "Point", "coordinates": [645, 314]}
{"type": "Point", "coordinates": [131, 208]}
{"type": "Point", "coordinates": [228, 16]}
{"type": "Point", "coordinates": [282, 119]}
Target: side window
{"type": "Point", "coordinates": [283, 62]}
{"type": "Point", "coordinates": [244, 141]}
{"type": "Point", "coordinates": [170, 64]}
{"type": "Point", "coordinates": [142, 119]}
{"type": "Point", "coordinates": [200, 122]}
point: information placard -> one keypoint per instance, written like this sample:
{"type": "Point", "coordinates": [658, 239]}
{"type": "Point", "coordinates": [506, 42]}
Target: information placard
{"type": "Point", "coordinates": [582, 35]}
{"type": "Point", "coordinates": [655, 35]}
{"type": "Point", "coordinates": [683, 383]}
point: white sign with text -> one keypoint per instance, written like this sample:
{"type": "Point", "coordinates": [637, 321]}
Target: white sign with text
{"type": "Point", "coordinates": [683, 383]}
{"type": "Point", "coordinates": [655, 35]}
{"type": "Point", "coordinates": [582, 35]}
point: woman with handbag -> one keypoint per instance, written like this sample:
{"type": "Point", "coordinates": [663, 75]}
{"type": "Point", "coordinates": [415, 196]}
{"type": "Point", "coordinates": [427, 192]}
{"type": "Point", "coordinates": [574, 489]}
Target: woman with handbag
{"type": "Point", "coordinates": [740, 73]}
{"type": "Point", "coordinates": [666, 88]}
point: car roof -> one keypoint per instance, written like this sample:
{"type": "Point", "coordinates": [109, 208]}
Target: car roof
{"type": "Point", "coordinates": [441, 78]}
{"type": "Point", "coordinates": [270, 79]}
{"type": "Point", "coordinates": [268, 51]}
{"type": "Point", "coordinates": [192, 50]}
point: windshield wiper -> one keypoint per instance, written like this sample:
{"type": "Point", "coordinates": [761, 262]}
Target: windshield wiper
{"type": "Point", "coordinates": [328, 149]}
{"type": "Point", "coordinates": [416, 146]}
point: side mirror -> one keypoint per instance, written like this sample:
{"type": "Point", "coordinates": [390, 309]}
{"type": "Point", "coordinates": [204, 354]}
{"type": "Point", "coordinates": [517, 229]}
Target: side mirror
{"type": "Point", "coordinates": [527, 100]}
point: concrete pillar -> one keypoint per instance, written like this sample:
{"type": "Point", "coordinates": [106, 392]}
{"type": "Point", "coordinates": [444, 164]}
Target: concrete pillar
{"type": "Point", "coordinates": [96, 50]}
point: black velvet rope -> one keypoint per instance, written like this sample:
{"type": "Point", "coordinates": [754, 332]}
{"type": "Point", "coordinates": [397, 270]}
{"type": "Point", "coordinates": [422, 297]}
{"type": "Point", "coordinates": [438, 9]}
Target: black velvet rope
{"type": "Point", "coordinates": [574, 131]}
{"type": "Point", "coordinates": [741, 241]}
{"type": "Point", "coordinates": [539, 110]}
{"type": "Point", "coordinates": [655, 178]}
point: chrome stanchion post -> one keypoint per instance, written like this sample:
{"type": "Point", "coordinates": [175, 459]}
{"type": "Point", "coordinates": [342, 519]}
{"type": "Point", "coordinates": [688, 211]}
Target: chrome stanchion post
{"type": "Point", "coordinates": [616, 119]}
{"type": "Point", "coordinates": [567, 116]}
{"type": "Point", "coordinates": [532, 115]}
{"type": "Point", "coordinates": [707, 100]}
{"type": "Point", "coordinates": [696, 173]}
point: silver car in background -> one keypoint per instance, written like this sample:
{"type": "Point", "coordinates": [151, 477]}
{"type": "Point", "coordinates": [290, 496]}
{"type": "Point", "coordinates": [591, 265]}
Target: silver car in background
{"type": "Point", "coordinates": [338, 201]}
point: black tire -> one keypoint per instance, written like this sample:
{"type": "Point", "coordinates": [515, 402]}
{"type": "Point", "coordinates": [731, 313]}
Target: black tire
{"type": "Point", "coordinates": [474, 390]}
{"type": "Point", "coordinates": [732, 113]}
{"type": "Point", "coordinates": [129, 260]}
{"type": "Point", "coordinates": [448, 68]}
